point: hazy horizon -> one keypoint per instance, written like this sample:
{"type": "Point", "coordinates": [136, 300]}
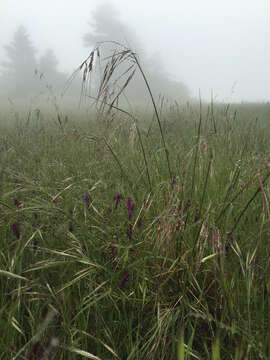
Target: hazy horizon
{"type": "Point", "coordinates": [211, 47]}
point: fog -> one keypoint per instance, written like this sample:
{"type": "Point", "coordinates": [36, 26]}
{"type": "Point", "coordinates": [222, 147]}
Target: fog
{"type": "Point", "coordinates": [186, 48]}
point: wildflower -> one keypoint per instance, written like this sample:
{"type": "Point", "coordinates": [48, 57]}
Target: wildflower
{"type": "Point", "coordinates": [16, 229]}
{"type": "Point", "coordinates": [86, 198]}
{"type": "Point", "coordinates": [125, 279]}
{"type": "Point", "coordinates": [70, 210]}
{"type": "Point", "coordinates": [129, 231]}
{"type": "Point", "coordinates": [117, 199]}
{"type": "Point", "coordinates": [130, 207]}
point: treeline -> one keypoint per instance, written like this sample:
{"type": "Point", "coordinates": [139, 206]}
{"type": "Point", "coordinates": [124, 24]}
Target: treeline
{"type": "Point", "coordinates": [24, 74]}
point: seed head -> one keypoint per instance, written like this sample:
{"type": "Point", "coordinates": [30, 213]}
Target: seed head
{"type": "Point", "coordinates": [129, 231]}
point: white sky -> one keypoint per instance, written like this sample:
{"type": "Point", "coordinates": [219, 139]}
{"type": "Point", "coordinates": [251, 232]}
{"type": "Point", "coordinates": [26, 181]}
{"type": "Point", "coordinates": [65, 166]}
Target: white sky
{"type": "Point", "coordinates": [219, 45]}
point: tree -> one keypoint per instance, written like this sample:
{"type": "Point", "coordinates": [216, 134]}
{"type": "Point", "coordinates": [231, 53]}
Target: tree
{"type": "Point", "coordinates": [18, 74]}
{"type": "Point", "coordinates": [48, 68]}
{"type": "Point", "coordinates": [107, 28]}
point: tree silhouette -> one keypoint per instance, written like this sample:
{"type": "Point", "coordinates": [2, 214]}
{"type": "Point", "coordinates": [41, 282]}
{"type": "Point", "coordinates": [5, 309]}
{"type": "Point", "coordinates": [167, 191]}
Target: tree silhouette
{"type": "Point", "coordinates": [106, 28]}
{"type": "Point", "coordinates": [18, 74]}
{"type": "Point", "coordinates": [48, 69]}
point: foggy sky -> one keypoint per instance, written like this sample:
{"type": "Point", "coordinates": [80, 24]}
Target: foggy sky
{"type": "Point", "coordinates": [219, 46]}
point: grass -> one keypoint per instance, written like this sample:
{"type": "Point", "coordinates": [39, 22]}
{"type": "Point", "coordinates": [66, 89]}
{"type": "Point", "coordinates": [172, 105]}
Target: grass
{"type": "Point", "coordinates": [124, 238]}
{"type": "Point", "coordinates": [95, 263]}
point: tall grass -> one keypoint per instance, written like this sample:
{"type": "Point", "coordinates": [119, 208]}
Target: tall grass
{"type": "Point", "coordinates": [106, 254]}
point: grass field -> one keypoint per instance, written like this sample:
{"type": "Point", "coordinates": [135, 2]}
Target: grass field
{"type": "Point", "coordinates": [123, 239]}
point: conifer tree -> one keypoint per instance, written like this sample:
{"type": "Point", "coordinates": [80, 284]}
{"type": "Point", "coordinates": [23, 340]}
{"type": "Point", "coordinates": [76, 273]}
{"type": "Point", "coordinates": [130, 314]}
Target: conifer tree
{"type": "Point", "coordinates": [18, 71]}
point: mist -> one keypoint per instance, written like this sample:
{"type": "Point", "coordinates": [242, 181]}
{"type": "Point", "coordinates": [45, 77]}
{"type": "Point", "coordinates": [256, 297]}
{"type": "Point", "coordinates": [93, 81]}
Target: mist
{"type": "Point", "coordinates": [186, 50]}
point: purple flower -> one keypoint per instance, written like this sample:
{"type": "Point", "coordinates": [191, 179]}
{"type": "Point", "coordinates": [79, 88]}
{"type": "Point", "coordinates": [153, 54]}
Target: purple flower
{"type": "Point", "coordinates": [129, 231]}
{"type": "Point", "coordinates": [130, 207]}
{"type": "Point", "coordinates": [16, 202]}
{"type": "Point", "coordinates": [16, 229]}
{"type": "Point", "coordinates": [125, 279]}
{"type": "Point", "coordinates": [117, 199]}
{"type": "Point", "coordinates": [86, 198]}
{"type": "Point", "coordinates": [70, 210]}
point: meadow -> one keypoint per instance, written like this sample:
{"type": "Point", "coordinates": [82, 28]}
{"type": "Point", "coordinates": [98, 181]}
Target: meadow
{"type": "Point", "coordinates": [135, 237]}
